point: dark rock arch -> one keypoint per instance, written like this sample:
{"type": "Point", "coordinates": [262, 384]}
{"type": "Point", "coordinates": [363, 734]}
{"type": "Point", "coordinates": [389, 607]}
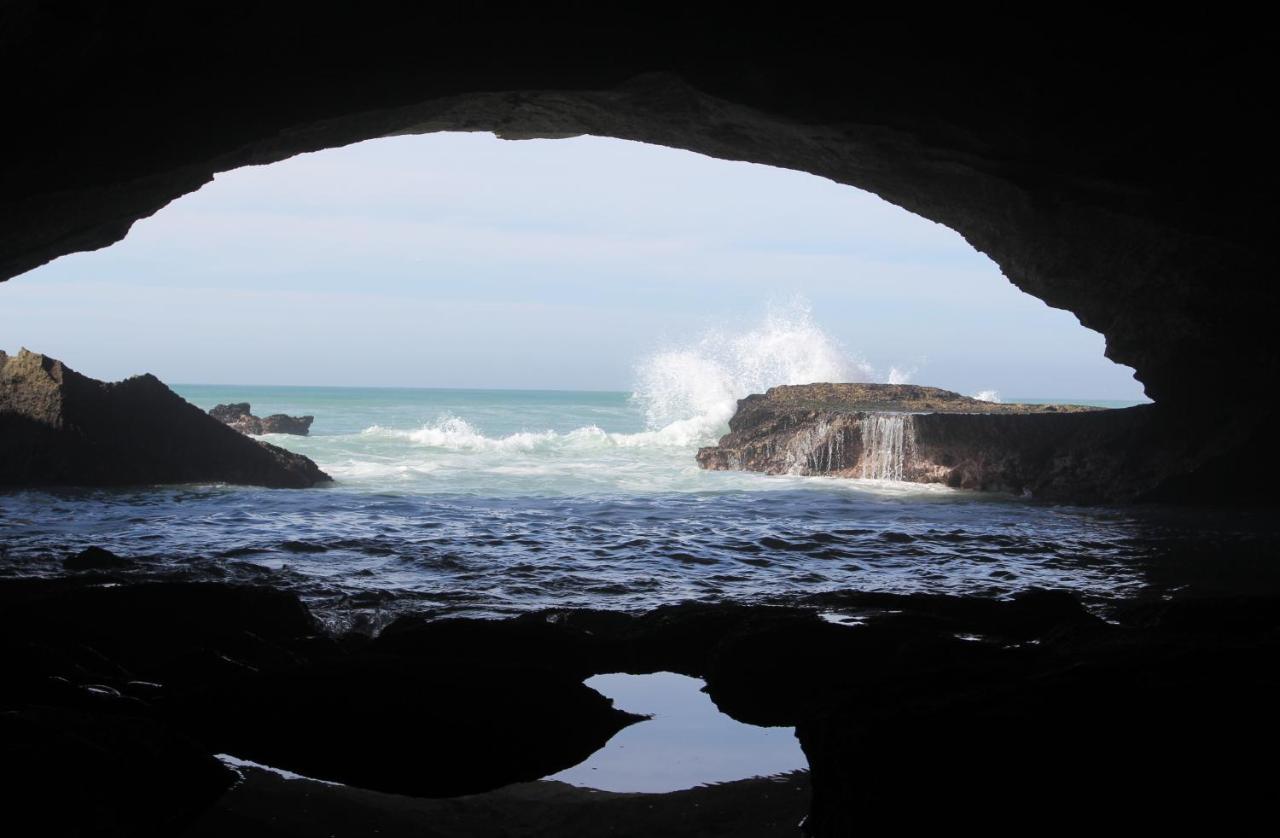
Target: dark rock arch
{"type": "Point", "coordinates": [1113, 175]}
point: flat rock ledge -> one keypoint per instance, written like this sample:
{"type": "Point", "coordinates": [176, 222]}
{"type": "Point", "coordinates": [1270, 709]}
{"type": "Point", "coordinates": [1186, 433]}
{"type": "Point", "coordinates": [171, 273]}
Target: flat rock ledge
{"type": "Point", "coordinates": [239, 416]}
{"type": "Point", "coordinates": [928, 435]}
{"type": "Point", "coordinates": [884, 398]}
{"type": "Point", "coordinates": [61, 428]}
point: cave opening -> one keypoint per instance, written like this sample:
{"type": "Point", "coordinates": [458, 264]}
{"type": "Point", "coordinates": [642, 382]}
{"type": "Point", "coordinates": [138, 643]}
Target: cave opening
{"type": "Point", "coordinates": [509, 354]}
{"type": "Point", "coordinates": [511, 336]}
{"type": "Point", "coordinates": [1089, 652]}
{"type": "Point", "coordinates": [463, 260]}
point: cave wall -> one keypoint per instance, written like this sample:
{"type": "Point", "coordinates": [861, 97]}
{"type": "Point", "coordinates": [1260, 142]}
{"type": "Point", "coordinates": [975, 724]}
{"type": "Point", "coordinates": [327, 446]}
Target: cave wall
{"type": "Point", "coordinates": [1112, 173]}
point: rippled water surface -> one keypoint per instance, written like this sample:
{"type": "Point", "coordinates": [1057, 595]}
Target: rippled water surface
{"type": "Point", "coordinates": [499, 502]}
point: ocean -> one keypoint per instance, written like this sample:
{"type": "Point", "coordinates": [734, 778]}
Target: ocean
{"type": "Point", "coordinates": [488, 502]}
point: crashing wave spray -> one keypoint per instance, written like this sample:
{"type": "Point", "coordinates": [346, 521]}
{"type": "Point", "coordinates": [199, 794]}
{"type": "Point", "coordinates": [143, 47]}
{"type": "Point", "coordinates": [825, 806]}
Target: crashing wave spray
{"type": "Point", "coordinates": [688, 393]}
{"type": "Point", "coordinates": [693, 390]}
{"type": "Point", "coordinates": [885, 440]}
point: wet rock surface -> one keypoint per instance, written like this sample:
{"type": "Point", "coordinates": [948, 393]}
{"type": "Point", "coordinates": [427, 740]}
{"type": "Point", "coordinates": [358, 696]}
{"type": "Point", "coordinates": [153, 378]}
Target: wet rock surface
{"type": "Point", "coordinates": [58, 427]}
{"type": "Point", "coordinates": [239, 416]}
{"type": "Point", "coordinates": [895, 698]}
{"type": "Point", "coordinates": [268, 805]}
{"type": "Point", "coordinates": [102, 771]}
{"type": "Point", "coordinates": [1050, 452]}
{"type": "Point", "coordinates": [853, 397]}
{"type": "Point", "coordinates": [405, 726]}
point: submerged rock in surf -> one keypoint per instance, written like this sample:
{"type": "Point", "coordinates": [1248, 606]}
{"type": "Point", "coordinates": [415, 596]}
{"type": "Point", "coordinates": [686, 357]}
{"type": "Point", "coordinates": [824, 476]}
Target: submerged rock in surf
{"type": "Point", "coordinates": [95, 558]}
{"type": "Point", "coordinates": [239, 416]}
{"type": "Point", "coordinates": [60, 428]}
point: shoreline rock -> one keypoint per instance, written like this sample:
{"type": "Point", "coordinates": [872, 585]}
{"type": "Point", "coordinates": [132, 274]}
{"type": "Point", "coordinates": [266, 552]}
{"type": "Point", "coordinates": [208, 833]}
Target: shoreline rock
{"type": "Point", "coordinates": [925, 435]}
{"type": "Point", "coordinates": [239, 416]}
{"type": "Point", "coordinates": [61, 428]}
{"type": "Point", "coordinates": [848, 397]}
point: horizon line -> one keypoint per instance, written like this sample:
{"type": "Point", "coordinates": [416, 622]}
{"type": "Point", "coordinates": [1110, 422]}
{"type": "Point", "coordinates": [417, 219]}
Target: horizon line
{"type": "Point", "coordinates": [1008, 400]}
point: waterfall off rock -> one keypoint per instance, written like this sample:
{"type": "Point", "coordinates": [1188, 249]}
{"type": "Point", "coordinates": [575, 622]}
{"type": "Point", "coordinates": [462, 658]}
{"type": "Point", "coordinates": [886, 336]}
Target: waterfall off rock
{"type": "Point", "coordinates": [815, 450]}
{"type": "Point", "coordinates": [885, 440]}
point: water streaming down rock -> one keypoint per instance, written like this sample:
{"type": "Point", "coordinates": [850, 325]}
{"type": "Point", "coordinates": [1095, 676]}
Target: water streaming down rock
{"type": "Point", "coordinates": [886, 438]}
{"type": "Point", "coordinates": [816, 449]}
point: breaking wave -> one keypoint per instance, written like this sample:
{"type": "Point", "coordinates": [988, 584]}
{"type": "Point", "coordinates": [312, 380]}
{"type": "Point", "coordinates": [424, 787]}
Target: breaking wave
{"type": "Point", "coordinates": [454, 434]}
{"type": "Point", "coordinates": [687, 393]}
{"type": "Point", "coordinates": [684, 397]}
{"type": "Point", "coordinates": [696, 387]}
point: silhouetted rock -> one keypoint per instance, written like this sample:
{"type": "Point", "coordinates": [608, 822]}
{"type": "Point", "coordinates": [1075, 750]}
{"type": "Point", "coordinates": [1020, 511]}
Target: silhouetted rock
{"type": "Point", "coordinates": [95, 558]}
{"type": "Point", "coordinates": [143, 626]}
{"type": "Point", "coordinates": [405, 725]}
{"type": "Point", "coordinates": [537, 640]}
{"type": "Point", "coordinates": [896, 699]}
{"type": "Point", "coordinates": [58, 427]}
{"type": "Point", "coordinates": [239, 669]}
{"type": "Point", "coordinates": [266, 804]}
{"type": "Point", "coordinates": [71, 772]}
{"type": "Point", "coordinates": [238, 416]}
{"type": "Point", "coordinates": [85, 745]}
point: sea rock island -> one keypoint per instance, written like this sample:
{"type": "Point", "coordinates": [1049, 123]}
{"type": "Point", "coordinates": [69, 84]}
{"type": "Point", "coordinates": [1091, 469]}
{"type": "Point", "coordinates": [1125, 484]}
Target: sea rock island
{"type": "Point", "coordinates": [929, 435]}
{"type": "Point", "coordinates": [239, 415]}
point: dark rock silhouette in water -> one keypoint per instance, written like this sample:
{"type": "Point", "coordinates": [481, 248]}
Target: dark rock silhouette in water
{"type": "Point", "coordinates": [239, 416]}
{"type": "Point", "coordinates": [95, 558]}
{"type": "Point", "coordinates": [926, 435]}
{"type": "Point", "coordinates": [58, 427]}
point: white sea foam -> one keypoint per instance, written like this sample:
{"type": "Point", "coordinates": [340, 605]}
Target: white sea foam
{"type": "Point", "coordinates": [987, 396]}
{"type": "Point", "coordinates": [453, 434]}
{"type": "Point", "coordinates": [684, 396]}
{"type": "Point", "coordinates": [691, 391]}
{"type": "Point", "coordinates": [687, 392]}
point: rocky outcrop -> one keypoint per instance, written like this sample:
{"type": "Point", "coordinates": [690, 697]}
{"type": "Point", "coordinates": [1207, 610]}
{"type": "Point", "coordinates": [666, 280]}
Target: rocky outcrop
{"type": "Point", "coordinates": [896, 699]}
{"type": "Point", "coordinates": [239, 416]}
{"type": "Point", "coordinates": [138, 685]}
{"type": "Point", "coordinates": [879, 398]}
{"type": "Point", "coordinates": [927, 435]}
{"type": "Point", "coordinates": [58, 427]}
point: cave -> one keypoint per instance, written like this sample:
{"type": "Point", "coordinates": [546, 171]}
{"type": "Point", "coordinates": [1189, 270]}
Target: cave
{"type": "Point", "coordinates": [1109, 171]}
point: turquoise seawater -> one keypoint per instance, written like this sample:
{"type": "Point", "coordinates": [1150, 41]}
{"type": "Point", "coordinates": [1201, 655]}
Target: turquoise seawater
{"type": "Point", "coordinates": [503, 442]}
{"type": "Point", "coordinates": [490, 442]}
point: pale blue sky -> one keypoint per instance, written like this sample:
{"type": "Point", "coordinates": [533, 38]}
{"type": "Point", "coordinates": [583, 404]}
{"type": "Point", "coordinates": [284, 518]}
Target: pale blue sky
{"type": "Point", "coordinates": [460, 260]}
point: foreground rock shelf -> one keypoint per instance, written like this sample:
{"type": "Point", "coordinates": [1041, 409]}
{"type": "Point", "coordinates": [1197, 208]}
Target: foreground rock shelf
{"type": "Point", "coordinates": [115, 696]}
{"type": "Point", "coordinates": [927, 435]}
{"type": "Point", "coordinates": [60, 428]}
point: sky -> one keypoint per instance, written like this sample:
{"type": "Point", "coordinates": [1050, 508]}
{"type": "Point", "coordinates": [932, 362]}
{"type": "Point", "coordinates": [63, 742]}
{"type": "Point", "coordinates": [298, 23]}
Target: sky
{"type": "Point", "coordinates": [462, 260]}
